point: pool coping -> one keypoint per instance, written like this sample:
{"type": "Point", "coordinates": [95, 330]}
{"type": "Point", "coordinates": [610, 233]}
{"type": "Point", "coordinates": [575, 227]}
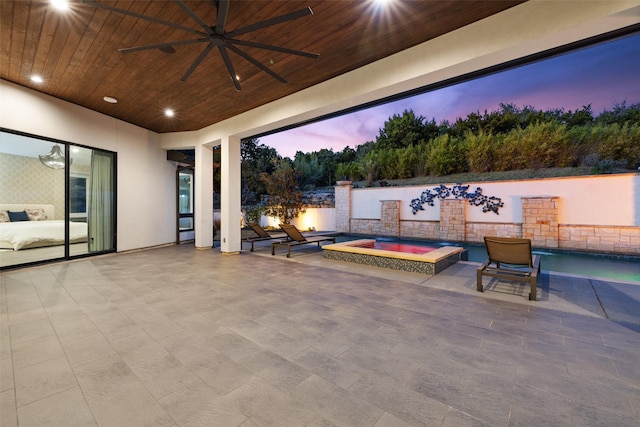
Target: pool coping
{"type": "Point", "coordinates": [428, 263]}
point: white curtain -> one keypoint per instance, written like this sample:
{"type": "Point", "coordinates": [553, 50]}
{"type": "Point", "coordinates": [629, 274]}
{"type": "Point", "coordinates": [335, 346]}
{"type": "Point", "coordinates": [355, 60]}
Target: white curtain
{"type": "Point", "coordinates": [100, 210]}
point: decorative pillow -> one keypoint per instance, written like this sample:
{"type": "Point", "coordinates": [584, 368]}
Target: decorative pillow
{"type": "Point", "coordinates": [36, 214]}
{"type": "Point", "coordinates": [4, 216]}
{"type": "Point", "coordinates": [18, 216]}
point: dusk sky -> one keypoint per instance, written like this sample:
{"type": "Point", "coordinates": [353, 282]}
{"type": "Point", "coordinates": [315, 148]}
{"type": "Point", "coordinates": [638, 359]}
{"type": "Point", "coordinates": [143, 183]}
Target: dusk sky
{"type": "Point", "coordinates": [602, 75]}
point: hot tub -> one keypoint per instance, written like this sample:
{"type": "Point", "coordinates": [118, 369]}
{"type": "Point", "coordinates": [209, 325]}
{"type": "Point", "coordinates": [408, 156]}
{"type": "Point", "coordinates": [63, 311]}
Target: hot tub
{"type": "Point", "coordinates": [397, 256]}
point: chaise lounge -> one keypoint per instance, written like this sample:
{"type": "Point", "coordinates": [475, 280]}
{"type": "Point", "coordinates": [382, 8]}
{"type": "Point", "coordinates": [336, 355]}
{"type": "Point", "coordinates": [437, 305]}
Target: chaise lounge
{"type": "Point", "coordinates": [260, 234]}
{"type": "Point", "coordinates": [510, 258]}
{"type": "Point", "coordinates": [296, 238]}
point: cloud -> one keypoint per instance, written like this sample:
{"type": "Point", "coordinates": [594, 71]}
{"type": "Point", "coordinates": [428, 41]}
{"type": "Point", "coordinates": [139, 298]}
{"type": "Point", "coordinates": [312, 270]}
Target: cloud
{"type": "Point", "coordinates": [601, 75]}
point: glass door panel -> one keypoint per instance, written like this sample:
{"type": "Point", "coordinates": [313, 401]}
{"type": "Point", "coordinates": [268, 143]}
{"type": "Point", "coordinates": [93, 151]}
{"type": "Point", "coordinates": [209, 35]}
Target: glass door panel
{"type": "Point", "coordinates": [32, 200]}
{"type": "Point", "coordinates": [57, 200]}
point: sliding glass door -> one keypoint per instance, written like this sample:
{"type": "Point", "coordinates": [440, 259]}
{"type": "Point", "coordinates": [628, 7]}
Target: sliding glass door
{"type": "Point", "coordinates": [57, 200]}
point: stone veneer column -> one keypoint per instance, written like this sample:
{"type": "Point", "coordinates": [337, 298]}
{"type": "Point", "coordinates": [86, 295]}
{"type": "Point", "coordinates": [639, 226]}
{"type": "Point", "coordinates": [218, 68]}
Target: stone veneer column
{"type": "Point", "coordinates": [452, 219]}
{"type": "Point", "coordinates": [540, 221]}
{"type": "Point", "coordinates": [390, 218]}
{"type": "Point", "coordinates": [343, 206]}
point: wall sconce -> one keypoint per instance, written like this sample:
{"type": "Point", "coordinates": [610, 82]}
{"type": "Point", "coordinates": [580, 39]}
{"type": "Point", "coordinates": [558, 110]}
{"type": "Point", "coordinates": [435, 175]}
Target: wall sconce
{"type": "Point", "coordinates": [54, 159]}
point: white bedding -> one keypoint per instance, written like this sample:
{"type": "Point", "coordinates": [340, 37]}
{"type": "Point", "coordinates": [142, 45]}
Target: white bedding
{"type": "Point", "coordinates": [22, 234]}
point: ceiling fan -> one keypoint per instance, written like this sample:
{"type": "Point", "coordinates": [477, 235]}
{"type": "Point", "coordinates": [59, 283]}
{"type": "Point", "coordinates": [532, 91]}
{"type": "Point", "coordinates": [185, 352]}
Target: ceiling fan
{"type": "Point", "coordinates": [216, 37]}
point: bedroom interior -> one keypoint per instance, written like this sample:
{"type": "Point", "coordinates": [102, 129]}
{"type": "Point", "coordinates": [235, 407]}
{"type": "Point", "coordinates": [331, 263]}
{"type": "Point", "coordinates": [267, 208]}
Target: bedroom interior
{"type": "Point", "coordinates": [33, 223]}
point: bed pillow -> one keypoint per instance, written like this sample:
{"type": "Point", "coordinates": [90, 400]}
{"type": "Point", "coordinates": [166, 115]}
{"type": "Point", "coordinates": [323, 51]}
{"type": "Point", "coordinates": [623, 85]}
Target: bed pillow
{"type": "Point", "coordinates": [18, 216]}
{"type": "Point", "coordinates": [36, 214]}
{"type": "Point", "coordinates": [4, 216]}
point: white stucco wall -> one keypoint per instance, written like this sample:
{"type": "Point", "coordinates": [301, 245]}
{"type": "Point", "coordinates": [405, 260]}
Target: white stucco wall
{"type": "Point", "coordinates": [145, 180]}
{"type": "Point", "coordinates": [317, 219]}
{"type": "Point", "coordinates": [593, 200]}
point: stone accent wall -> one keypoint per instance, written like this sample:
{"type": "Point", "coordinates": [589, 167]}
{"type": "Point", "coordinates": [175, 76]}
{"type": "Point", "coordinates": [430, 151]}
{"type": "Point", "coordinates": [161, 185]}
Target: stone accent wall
{"type": "Point", "coordinates": [343, 208]}
{"type": "Point", "coordinates": [540, 221]}
{"type": "Point", "coordinates": [477, 230]}
{"type": "Point", "coordinates": [452, 220]}
{"type": "Point", "coordinates": [368, 227]}
{"type": "Point", "coordinates": [420, 229]}
{"type": "Point", "coordinates": [390, 218]}
{"type": "Point", "coordinates": [624, 240]}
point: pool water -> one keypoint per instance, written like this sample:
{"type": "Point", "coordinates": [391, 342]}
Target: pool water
{"type": "Point", "coordinates": [607, 267]}
{"type": "Point", "coordinates": [403, 247]}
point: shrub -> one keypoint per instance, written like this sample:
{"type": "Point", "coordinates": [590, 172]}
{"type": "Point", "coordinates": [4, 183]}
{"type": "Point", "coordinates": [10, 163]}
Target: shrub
{"type": "Point", "coordinates": [446, 156]}
{"type": "Point", "coordinates": [481, 151]}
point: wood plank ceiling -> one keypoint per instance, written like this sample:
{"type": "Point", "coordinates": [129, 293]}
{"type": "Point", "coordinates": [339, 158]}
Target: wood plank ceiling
{"type": "Point", "coordinates": [77, 54]}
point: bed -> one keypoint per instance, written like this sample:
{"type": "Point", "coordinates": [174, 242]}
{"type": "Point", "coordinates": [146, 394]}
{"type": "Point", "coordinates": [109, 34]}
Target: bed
{"type": "Point", "coordinates": [39, 231]}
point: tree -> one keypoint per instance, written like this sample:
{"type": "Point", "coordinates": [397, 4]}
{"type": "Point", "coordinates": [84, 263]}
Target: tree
{"type": "Point", "coordinates": [285, 199]}
{"type": "Point", "coordinates": [256, 158]}
{"type": "Point", "coordinates": [404, 130]}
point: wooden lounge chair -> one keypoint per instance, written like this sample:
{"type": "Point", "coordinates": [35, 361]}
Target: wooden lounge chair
{"type": "Point", "coordinates": [510, 258]}
{"type": "Point", "coordinates": [296, 238]}
{"type": "Point", "coordinates": [260, 234]}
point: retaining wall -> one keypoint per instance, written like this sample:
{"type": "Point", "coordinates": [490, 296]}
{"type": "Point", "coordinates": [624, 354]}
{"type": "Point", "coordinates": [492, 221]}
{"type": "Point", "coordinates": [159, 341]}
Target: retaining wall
{"type": "Point", "coordinates": [595, 213]}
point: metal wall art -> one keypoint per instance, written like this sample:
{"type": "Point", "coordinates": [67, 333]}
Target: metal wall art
{"type": "Point", "coordinates": [458, 191]}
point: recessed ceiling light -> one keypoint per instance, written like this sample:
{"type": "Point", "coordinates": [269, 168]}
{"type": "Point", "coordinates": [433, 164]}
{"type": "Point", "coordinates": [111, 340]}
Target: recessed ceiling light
{"type": "Point", "coordinates": [110, 99]}
{"type": "Point", "coordinates": [169, 112]}
{"type": "Point", "coordinates": [36, 79]}
{"type": "Point", "coordinates": [60, 4]}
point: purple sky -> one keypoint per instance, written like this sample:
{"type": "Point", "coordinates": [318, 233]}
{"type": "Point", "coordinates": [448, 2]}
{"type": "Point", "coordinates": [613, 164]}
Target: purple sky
{"type": "Point", "coordinates": [602, 76]}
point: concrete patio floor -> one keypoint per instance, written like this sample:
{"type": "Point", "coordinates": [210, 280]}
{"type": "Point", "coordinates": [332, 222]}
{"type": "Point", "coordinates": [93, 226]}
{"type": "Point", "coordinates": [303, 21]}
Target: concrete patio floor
{"type": "Point", "coordinates": [178, 336]}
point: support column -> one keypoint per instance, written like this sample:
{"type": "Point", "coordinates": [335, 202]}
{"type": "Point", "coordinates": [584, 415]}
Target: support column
{"type": "Point", "coordinates": [540, 221]}
{"type": "Point", "coordinates": [390, 218]}
{"type": "Point", "coordinates": [343, 206]}
{"type": "Point", "coordinates": [203, 200]}
{"type": "Point", "coordinates": [230, 196]}
{"type": "Point", "coordinates": [452, 219]}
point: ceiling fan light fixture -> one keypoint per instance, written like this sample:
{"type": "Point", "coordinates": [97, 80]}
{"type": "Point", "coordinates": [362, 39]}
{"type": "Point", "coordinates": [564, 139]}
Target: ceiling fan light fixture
{"type": "Point", "coordinates": [54, 159]}
{"type": "Point", "coordinates": [216, 36]}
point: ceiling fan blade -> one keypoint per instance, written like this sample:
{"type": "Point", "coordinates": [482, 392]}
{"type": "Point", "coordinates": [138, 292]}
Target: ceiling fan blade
{"type": "Point", "coordinates": [257, 64]}
{"type": "Point", "coordinates": [274, 48]}
{"type": "Point", "coordinates": [227, 62]}
{"type": "Point", "coordinates": [270, 22]}
{"type": "Point", "coordinates": [161, 45]}
{"type": "Point", "coordinates": [223, 10]}
{"type": "Point", "coordinates": [198, 60]}
{"type": "Point", "coordinates": [193, 16]}
{"type": "Point", "coordinates": [145, 17]}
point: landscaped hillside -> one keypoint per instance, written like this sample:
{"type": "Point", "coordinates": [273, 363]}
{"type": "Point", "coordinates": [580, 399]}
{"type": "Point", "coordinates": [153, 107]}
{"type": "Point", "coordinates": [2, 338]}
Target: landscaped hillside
{"type": "Point", "coordinates": [510, 143]}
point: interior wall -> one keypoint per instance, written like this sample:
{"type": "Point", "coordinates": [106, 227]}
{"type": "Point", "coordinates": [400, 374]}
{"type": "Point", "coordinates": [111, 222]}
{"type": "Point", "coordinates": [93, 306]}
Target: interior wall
{"type": "Point", "coordinates": [23, 180]}
{"type": "Point", "coordinates": [145, 179]}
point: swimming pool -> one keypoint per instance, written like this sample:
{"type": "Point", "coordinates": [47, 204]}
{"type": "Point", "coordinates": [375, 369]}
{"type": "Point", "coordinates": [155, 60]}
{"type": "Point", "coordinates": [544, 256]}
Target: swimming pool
{"type": "Point", "coordinates": [625, 268]}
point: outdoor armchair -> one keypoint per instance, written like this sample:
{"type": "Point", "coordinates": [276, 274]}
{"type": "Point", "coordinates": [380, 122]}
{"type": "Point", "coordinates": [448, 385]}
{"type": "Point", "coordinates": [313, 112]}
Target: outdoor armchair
{"type": "Point", "coordinates": [510, 258]}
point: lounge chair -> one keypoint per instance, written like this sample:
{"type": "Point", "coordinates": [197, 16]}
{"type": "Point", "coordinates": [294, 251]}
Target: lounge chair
{"type": "Point", "coordinates": [260, 234]}
{"type": "Point", "coordinates": [511, 259]}
{"type": "Point", "coordinates": [296, 238]}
